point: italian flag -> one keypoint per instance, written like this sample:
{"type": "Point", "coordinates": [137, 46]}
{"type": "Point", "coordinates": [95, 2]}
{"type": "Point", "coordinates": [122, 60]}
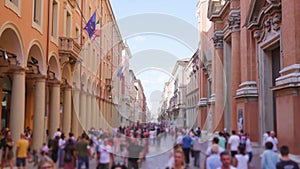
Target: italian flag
{"type": "Point", "coordinates": [97, 29]}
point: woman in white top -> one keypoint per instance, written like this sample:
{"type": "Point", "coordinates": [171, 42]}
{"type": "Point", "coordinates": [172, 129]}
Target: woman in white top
{"type": "Point", "coordinates": [240, 160]}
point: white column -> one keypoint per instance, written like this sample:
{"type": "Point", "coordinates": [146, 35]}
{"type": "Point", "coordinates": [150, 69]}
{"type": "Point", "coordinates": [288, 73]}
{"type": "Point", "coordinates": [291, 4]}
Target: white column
{"type": "Point", "coordinates": [82, 116]}
{"type": "Point", "coordinates": [39, 114]}
{"type": "Point", "coordinates": [75, 112]}
{"type": "Point", "coordinates": [17, 114]}
{"type": "Point", "coordinates": [54, 109]}
{"type": "Point", "coordinates": [67, 110]}
{"type": "Point", "coordinates": [88, 111]}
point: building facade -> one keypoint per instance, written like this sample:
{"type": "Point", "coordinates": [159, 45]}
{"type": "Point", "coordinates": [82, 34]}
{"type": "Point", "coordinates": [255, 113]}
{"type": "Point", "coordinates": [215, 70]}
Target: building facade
{"type": "Point", "coordinates": [192, 91]}
{"type": "Point", "coordinates": [53, 75]}
{"type": "Point", "coordinates": [254, 67]}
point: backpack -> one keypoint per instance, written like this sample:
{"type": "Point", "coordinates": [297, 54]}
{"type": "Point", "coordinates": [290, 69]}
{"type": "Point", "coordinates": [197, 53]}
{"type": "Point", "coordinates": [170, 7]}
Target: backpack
{"type": "Point", "coordinates": [68, 156]}
{"type": "Point", "coordinates": [243, 140]}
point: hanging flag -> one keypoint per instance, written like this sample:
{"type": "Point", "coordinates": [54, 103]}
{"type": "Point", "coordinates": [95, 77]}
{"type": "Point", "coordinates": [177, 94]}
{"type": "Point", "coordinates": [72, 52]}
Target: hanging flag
{"type": "Point", "coordinates": [120, 72]}
{"type": "Point", "coordinates": [97, 29]}
{"type": "Point", "coordinates": [91, 25]}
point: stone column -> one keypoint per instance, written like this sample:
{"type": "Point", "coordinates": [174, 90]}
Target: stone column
{"type": "Point", "coordinates": [54, 108]}
{"type": "Point", "coordinates": [17, 114]}
{"type": "Point", "coordinates": [88, 111]}
{"type": "Point", "coordinates": [234, 25]}
{"type": "Point", "coordinates": [82, 116]}
{"type": "Point", "coordinates": [67, 110]}
{"type": "Point", "coordinates": [93, 111]}
{"type": "Point", "coordinates": [218, 116]}
{"type": "Point", "coordinates": [39, 114]}
{"type": "Point", "coordinates": [75, 112]}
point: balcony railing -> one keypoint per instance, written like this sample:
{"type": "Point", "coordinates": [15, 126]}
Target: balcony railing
{"type": "Point", "coordinates": [68, 46]}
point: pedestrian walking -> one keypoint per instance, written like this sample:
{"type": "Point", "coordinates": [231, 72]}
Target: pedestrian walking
{"type": "Point", "coordinates": [54, 148]}
{"type": "Point", "coordinates": [222, 140]}
{"type": "Point", "coordinates": [233, 143]}
{"type": "Point", "coordinates": [135, 154]}
{"type": "Point", "coordinates": [249, 148]}
{"type": "Point", "coordinates": [21, 151]}
{"type": "Point", "coordinates": [272, 138]}
{"type": "Point", "coordinates": [196, 150]}
{"type": "Point", "coordinates": [178, 160]}
{"type": "Point", "coordinates": [215, 141]}
{"type": "Point", "coordinates": [285, 161]}
{"type": "Point", "coordinates": [83, 152]}
{"type": "Point", "coordinates": [213, 161]}
{"type": "Point", "coordinates": [269, 157]}
{"type": "Point", "coordinates": [61, 145]}
{"type": "Point", "coordinates": [8, 153]}
{"type": "Point", "coordinates": [105, 157]}
{"type": "Point", "coordinates": [187, 144]}
{"type": "Point", "coordinates": [240, 160]}
{"type": "Point", "coordinates": [226, 161]}
{"type": "Point", "coordinates": [69, 155]}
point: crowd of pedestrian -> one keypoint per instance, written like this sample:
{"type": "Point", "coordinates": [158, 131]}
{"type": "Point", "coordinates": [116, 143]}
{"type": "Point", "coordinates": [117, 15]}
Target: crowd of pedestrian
{"type": "Point", "coordinates": [127, 147]}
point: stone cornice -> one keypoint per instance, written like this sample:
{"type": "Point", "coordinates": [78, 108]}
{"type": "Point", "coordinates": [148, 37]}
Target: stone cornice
{"type": "Point", "coordinates": [202, 102]}
{"type": "Point", "coordinates": [290, 77]}
{"type": "Point", "coordinates": [216, 10]}
{"type": "Point", "coordinates": [247, 89]}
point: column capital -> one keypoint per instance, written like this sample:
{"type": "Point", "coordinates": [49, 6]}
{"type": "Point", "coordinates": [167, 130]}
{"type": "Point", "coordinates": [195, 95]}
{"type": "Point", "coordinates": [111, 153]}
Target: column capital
{"type": "Point", "coordinates": [40, 78]}
{"type": "Point", "coordinates": [234, 20]}
{"type": "Point", "coordinates": [218, 39]}
{"type": "Point", "coordinates": [67, 88]}
{"type": "Point", "coordinates": [54, 83]}
{"type": "Point", "coordinates": [19, 71]}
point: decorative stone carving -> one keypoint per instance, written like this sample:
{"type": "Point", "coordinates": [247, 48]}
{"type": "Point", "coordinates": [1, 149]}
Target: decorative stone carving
{"type": "Point", "coordinates": [276, 21]}
{"type": "Point", "coordinates": [271, 1]}
{"type": "Point", "coordinates": [271, 25]}
{"type": "Point", "coordinates": [257, 34]}
{"type": "Point", "coordinates": [218, 40]}
{"type": "Point", "coordinates": [234, 20]}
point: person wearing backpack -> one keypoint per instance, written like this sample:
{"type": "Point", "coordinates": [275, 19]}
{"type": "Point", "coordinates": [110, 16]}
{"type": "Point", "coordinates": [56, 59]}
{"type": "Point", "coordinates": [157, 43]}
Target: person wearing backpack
{"type": "Point", "coordinates": [243, 138]}
{"type": "Point", "coordinates": [69, 155]}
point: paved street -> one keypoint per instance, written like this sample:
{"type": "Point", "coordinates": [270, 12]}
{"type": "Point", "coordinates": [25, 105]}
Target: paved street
{"type": "Point", "coordinates": [159, 156]}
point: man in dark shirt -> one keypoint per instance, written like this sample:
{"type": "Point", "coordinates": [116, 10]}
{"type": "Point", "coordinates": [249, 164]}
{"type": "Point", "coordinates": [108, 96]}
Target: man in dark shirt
{"type": "Point", "coordinates": [286, 162]}
{"type": "Point", "coordinates": [135, 154]}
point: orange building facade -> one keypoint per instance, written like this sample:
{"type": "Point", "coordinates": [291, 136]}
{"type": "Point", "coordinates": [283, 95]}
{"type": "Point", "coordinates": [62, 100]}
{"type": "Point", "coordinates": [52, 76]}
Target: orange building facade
{"type": "Point", "coordinates": [52, 74]}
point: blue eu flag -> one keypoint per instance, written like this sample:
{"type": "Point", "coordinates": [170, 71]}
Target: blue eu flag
{"type": "Point", "coordinates": [91, 25]}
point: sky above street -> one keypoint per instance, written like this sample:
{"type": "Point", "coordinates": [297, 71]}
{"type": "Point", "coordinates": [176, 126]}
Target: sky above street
{"type": "Point", "coordinates": [158, 33]}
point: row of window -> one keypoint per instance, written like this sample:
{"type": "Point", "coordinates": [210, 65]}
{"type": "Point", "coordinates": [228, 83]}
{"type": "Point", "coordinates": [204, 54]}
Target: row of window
{"type": "Point", "coordinates": [38, 11]}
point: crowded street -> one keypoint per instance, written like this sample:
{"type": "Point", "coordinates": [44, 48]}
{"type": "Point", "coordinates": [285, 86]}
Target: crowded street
{"type": "Point", "coordinates": [153, 84]}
